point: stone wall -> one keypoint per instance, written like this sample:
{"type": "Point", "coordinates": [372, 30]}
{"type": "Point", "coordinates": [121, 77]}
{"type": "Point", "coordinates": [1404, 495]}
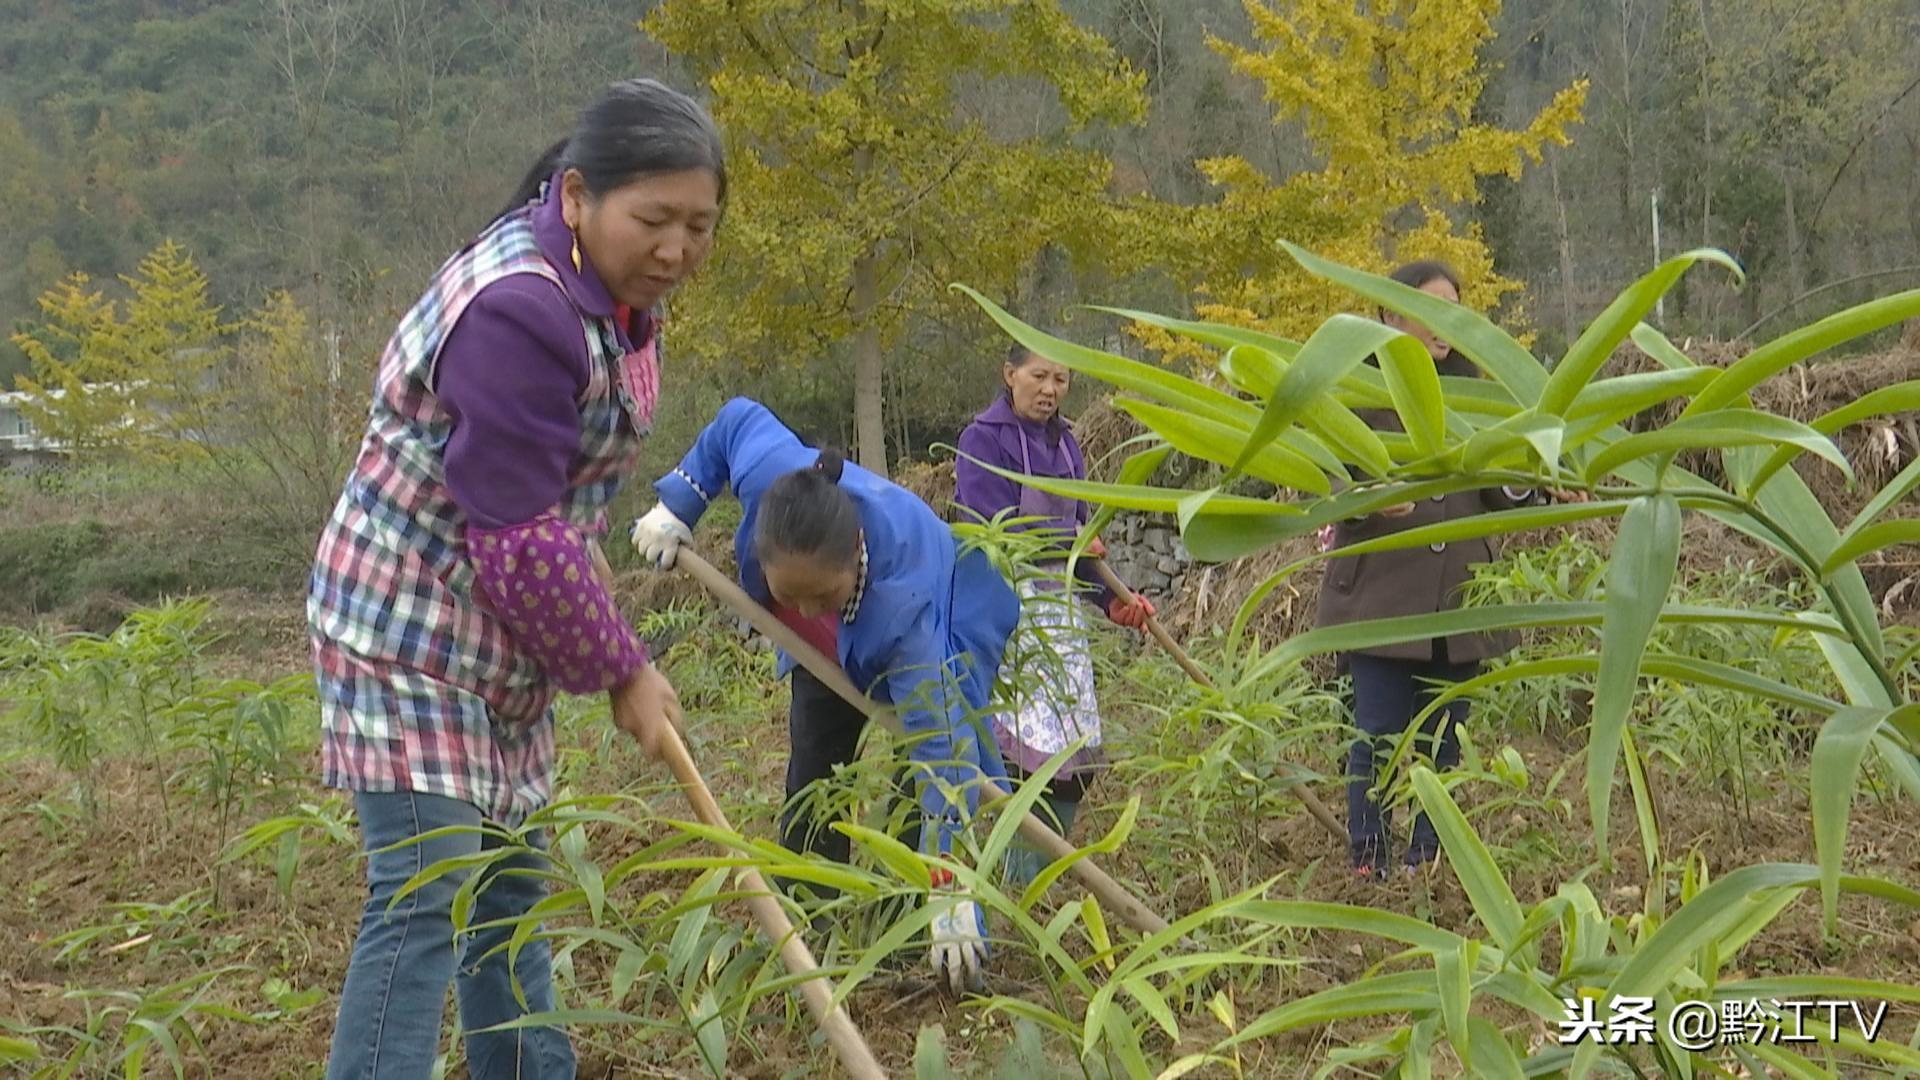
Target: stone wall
{"type": "Point", "coordinates": [1146, 552]}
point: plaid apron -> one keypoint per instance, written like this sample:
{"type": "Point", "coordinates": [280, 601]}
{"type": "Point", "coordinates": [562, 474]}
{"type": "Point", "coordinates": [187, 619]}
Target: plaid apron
{"type": "Point", "coordinates": [421, 687]}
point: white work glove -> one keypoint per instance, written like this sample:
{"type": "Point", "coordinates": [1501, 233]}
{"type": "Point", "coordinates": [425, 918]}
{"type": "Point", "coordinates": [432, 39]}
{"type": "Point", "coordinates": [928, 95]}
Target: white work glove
{"type": "Point", "coordinates": [959, 934]}
{"type": "Point", "coordinates": [658, 535]}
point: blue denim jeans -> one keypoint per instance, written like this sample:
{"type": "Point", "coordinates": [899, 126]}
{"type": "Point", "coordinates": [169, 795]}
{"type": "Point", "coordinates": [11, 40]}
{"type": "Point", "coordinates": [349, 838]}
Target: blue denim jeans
{"type": "Point", "coordinates": [405, 958]}
{"type": "Point", "coordinates": [1386, 695]}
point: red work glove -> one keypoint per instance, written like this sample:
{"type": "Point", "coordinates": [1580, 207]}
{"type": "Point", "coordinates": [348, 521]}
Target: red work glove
{"type": "Point", "coordinates": [1130, 614]}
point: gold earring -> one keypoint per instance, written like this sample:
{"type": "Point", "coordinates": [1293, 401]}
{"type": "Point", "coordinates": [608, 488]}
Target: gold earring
{"type": "Point", "coordinates": [576, 253]}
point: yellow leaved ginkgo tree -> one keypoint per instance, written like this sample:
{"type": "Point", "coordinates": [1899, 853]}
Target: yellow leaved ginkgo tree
{"type": "Point", "coordinates": [1389, 103]}
{"type": "Point", "coordinates": [866, 175]}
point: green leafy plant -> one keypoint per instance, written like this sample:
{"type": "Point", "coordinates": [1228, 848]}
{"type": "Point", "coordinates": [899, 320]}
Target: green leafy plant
{"type": "Point", "coordinates": [1531, 425]}
{"type": "Point", "coordinates": [157, 928]}
{"type": "Point", "coordinates": [285, 837]}
{"type": "Point", "coordinates": [77, 692]}
{"type": "Point", "coordinates": [127, 1032]}
{"type": "Point", "coordinates": [235, 739]}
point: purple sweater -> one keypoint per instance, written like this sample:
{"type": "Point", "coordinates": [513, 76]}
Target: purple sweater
{"type": "Point", "coordinates": [995, 437]}
{"type": "Point", "coordinates": [511, 373]}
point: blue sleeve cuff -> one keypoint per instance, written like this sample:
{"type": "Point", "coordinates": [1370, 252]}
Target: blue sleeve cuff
{"type": "Point", "coordinates": [680, 494]}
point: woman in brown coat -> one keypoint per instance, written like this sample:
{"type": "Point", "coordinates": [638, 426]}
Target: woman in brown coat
{"type": "Point", "coordinates": [1392, 683]}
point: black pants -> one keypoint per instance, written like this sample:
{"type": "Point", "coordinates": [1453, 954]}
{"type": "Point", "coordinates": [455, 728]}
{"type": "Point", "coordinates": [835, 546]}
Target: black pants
{"type": "Point", "coordinates": [1386, 695]}
{"type": "Point", "coordinates": [824, 731]}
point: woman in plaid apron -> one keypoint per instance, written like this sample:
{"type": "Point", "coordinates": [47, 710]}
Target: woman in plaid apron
{"type": "Point", "coordinates": [1023, 431]}
{"type": "Point", "coordinates": [455, 591]}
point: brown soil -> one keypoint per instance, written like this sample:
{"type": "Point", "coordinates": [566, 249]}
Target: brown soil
{"type": "Point", "coordinates": [65, 871]}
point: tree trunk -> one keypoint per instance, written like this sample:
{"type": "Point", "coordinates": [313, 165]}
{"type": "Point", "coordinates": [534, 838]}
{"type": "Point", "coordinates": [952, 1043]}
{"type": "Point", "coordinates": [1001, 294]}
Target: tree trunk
{"type": "Point", "coordinates": [1795, 284]}
{"type": "Point", "coordinates": [1566, 253]}
{"type": "Point", "coordinates": [1706, 127]}
{"type": "Point", "coordinates": [869, 371]}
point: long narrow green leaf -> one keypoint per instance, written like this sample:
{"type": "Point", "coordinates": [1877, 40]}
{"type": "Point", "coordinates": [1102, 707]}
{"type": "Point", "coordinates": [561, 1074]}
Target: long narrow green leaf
{"type": "Point", "coordinates": [1133, 472]}
{"type": "Point", "coordinates": [1638, 578]}
{"type": "Point", "coordinates": [1834, 772]}
{"type": "Point", "coordinates": [1341, 344]}
{"type": "Point", "coordinates": [1896, 489]}
{"type": "Point", "coordinates": [1106, 845]}
{"type": "Point", "coordinates": [1414, 386]}
{"type": "Point", "coordinates": [1140, 497]}
{"type": "Point", "coordinates": [1454, 979]}
{"type": "Point", "coordinates": [930, 1054]}
{"type": "Point", "coordinates": [1219, 335]}
{"type": "Point", "coordinates": [1645, 814]}
{"type": "Point", "coordinates": [1418, 1063]}
{"type": "Point", "coordinates": [1605, 333]}
{"type": "Point", "coordinates": [1789, 503]}
{"type": "Point", "coordinates": [1155, 1006]}
{"type": "Point", "coordinates": [1492, 523]}
{"type": "Point", "coordinates": [1147, 380]}
{"type": "Point", "coordinates": [1252, 371]}
{"type": "Point", "coordinates": [1664, 352]}
{"type": "Point", "coordinates": [1214, 538]}
{"type": "Point", "coordinates": [1464, 329]}
{"type": "Point", "coordinates": [158, 1035]}
{"type": "Point", "coordinates": [1704, 919]}
{"type": "Point", "coordinates": [1212, 441]}
{"type": "Point", "coordinates": [1471, 394]}
{"type": "Point", "coordinates": [1349, 918]}
{"type": "Point", "coordinates": [1718, 430]}
{"type": "Point", "coordinates": [1513, 436]}
{"type": "Point", "coordinates": [1019, 803]}
{"type": "Point", "coordinates": [1850, 668]}
{"type": "Point", "coordinates": [1218, 538]}
{"type": "Point", "coordinates": [1395, 631]}
{"type": "Point", "coordinates": [1888, 400]}
{"type": "Point", "coordinates": [1791, 348]}
{"type": "Point", "coordinates": [1877, 537]}
{"type": "Point", "coordinates": [1549, 1060]}
{"type": "Point", "coordinates": [1377, 995]}
{"type": "Point", "coordinates": [1493, 1056]}
{"type": "Point", "coordinates": [905, 863]}
{"type": "Point", "coordinates": [1784, 1063]}
{"type": "Point", "coordinates": [1492, 898]}
{"type": "Point", "coordinates": [1788, 987]}
{"type": "Point", "coordinates": [684, 950]}
{"type": "Point", "coordinates": [1348, 436]}
{"type": "Point", "coordinates": [1625, 395]}
{"type": "Point", "coordinates": [1683, 669]}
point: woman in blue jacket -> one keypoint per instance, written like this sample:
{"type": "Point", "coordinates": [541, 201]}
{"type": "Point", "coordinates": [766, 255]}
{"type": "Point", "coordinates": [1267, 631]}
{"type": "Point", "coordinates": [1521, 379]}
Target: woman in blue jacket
{"type": "Point", "coordinates": [865, 571]}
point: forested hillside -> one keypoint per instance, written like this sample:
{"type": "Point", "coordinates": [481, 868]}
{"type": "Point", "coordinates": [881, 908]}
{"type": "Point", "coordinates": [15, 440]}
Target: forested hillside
{"type": "Point", "coordinates": [338, 148]}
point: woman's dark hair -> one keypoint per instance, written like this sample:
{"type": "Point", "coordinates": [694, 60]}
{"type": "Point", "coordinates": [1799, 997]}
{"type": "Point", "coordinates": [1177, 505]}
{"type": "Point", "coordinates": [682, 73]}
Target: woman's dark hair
{"type": "Point", "coordinates": [1419, 275]}
{"type": "Point", "coordinates": [806, 512]}
{"type": "Point", "coordinates": [635, 128]}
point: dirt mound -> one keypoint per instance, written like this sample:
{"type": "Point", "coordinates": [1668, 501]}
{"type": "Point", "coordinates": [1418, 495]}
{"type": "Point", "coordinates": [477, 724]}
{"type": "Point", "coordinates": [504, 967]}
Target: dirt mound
{"type": "Point", "coordinates": [1101, 429]}
{"type": "Point", "coordinates": [932, 481]}
{"type": "Point", "coordinates": [1878, 448]}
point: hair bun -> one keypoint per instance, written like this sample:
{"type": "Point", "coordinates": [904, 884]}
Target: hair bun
{"type": "Point", "coordinates": [832, 463]}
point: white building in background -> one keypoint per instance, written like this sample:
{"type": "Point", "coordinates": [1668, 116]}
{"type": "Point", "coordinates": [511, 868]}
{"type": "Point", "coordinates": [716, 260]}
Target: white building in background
{"type": "Point", "coordinates": [21, 446]}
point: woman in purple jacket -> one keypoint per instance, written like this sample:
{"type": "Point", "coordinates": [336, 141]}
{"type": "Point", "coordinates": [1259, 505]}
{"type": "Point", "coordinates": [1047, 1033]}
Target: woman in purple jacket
{"type": "Point", "coordinates": [456, 588]}
{"type": "Point", "coordinates": [1023, 431]}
